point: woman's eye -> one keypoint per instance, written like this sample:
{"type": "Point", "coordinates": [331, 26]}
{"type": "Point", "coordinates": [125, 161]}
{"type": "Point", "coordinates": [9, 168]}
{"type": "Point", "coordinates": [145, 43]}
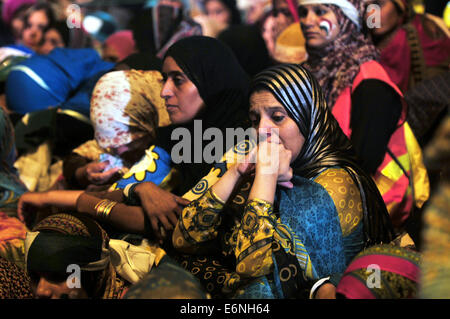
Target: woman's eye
{"type": "Point", "coordinates": [302, 12]}
{"type": "Point", "coordinates": [277, 118]}
{"type": "Point", "coordinates": [319, 12]}
{"type": "Point", "coordinates": [178, 81]}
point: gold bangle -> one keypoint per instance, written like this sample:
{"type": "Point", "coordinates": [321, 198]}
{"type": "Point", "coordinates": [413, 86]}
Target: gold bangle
{"type": "Point", "coordinates": [108, 209]}
{"type": "Point", "coordinates": [104, 208]}
{"type": "Point", "coordinates": [99, 204]}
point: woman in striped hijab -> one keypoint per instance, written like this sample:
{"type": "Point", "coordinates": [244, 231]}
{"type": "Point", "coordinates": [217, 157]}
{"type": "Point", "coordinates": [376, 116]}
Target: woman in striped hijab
{"type": "Point", "coordinates": [285, 223]}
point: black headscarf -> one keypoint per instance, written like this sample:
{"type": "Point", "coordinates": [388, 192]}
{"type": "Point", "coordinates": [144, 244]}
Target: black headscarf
{"type": "Point", "coordinates": [325, 144]}
{"type": "Point", "coordinates": [223, 86]}
{"type": "Point", "coordinates": [249, 47]}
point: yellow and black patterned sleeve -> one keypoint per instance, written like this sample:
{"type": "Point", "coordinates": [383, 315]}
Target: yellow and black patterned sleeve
{"type": "Point", "coordinates": [255, 236]}
{"type": "Point", "coordinates": [199, 222]}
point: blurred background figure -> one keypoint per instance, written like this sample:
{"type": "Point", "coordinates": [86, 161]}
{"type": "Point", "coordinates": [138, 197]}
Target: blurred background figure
{"type": "Point", "coordinates": [413, 46]}
{"type": "Point", "coordinates": [13, 12]}
{"type": "Point", "coordinates": [118, 46]}
{"type": "Point", "coordinates": [36, 20]}
{"type": "Point", "coordinates": [56, 36]}
{"type": "Point", "coordinates": [225, 12]}
{"type": "Point", "coordinates": [156, 28]}
{"type": "Point", "coordinates": [254, 9]}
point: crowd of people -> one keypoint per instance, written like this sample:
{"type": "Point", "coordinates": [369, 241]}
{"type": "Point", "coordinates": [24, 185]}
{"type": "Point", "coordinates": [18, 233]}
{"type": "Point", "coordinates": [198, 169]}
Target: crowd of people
{"type": "Point", "coordinates": [343, 164]}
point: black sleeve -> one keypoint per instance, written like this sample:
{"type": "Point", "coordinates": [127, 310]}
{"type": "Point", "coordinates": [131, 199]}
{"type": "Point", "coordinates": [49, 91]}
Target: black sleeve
{"type": "Point", "coordinates": [376, 109]}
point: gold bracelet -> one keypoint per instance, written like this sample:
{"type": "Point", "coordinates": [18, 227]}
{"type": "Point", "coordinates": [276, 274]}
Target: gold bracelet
{"type": "Point", "coordinates": [104, 208]}
{"type": "Point", "coordinates": [108, 209]}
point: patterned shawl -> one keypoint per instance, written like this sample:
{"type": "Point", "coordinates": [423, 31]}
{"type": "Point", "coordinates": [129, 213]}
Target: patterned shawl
{"type": "Point", "coordinates": [336, 65]}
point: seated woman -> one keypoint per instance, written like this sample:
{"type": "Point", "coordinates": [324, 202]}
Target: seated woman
{"type": "Point", "coordinates": [56, 36]}
{"type": "Point", "coordinates": [224, 12]}
{"type": "Point", "coordinates": [126, 110]}
{"type": "Point", "coordinates": [306, 212]}
{"type": "Point", "coordinates": [203, 81]}
{"type": "Point", "coordinates": [413, 46]}
{"type": "Point", "coordinates": [71, 256]}
{"type": "Point", "coordinates": [12, 231]}
{"type": "Point", "coordinates": [118, 46]}
{"type": "Point", "coordinates": [367, 104]}
{"type": "Point", "coordinates": [36, 20]}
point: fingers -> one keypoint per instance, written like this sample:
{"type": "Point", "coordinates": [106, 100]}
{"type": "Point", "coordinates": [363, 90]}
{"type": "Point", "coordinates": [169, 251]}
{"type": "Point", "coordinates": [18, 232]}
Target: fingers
{"type": "Point", "coordinates": [154, 223]}
{"type": "Point", "coordinates": [286, 184]}
{"type": "Point", "coordinates": [101, 178]}
{"type": "Point", "coordinates": [173, 219]}
{"type": "Point", "coordinates": [182, 201]}
{"type": "Point", "coordinates": [165, 222]}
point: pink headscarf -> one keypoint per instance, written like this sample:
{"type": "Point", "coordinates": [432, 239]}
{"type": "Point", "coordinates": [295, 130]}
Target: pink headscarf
{"type": "Point", "coordinates": [11, 6]}
{"type": "Point", "coordinates": [123, 42]}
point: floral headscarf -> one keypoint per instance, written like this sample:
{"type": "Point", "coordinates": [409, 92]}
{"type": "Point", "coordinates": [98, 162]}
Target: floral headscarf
{"type": "Point", "coordinates": [125, 105]}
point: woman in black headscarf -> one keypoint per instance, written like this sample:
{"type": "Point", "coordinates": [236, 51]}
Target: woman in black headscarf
{"type": "Point", "coordinates": [305, 213]}
{"type": "Point", "coordinates": [202, 81]}
{"type": "Point", "coordinates": [221, 87]}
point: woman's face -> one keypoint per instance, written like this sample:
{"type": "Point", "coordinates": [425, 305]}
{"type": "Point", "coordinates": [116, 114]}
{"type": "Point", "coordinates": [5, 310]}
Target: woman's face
{"type": "Point", "coordinates": [389, 17]}
{"type": "Point", "coordinates": [218, 11]}
{"type": "Point", "coordinates": [319, 25]}
{"type": "Point", "coordinates": [45, 286]}
{"type": "Point", "coordinates": [52, 39]}
{"type": "Point", "coordinates": [33, 30]}
{"type": "Point", "coordinates": [266, 113]}
{"type": "Point", "coordinates": [182, 98]}
{"type": "Point", "coordinates": [110, 54]}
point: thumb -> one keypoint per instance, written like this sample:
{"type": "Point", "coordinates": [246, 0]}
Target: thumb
{"type": "Point", "coordinates": [286, 184]}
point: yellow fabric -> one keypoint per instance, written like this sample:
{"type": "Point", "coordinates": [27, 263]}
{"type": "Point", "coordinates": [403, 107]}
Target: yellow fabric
{"type": "Point", "coordinates": [231, 157]}
{"type": "Point", "coordinates": [345, 195]}
{"type": "Point", "coordinates": [254, 260]}
{"type": "Point", "coordinates": [421, 182]}
{"type": "Point", "coordinates": [393, 171]}
{"type": "Point", "coordinates": [290, 45]}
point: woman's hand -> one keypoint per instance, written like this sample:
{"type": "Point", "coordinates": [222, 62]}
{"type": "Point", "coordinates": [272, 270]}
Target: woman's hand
{"type": "Point", "coordinates": [29, 204]}
{"type": "Point", "coordinates": [274, 160]}
{"type": "Point", "coordinates": [160, 206]}
{"type": "Point", "coordinates": [94, 173]}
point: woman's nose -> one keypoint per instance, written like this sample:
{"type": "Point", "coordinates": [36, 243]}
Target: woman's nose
{"type": "Point", "coordinates": [43, 289]}
{"type": "Point", "coordinates": [310, 18]}
{"type": "Point", "coordinates": [266, 126]}
{"type": "Point", "coordinates": [166, 90]}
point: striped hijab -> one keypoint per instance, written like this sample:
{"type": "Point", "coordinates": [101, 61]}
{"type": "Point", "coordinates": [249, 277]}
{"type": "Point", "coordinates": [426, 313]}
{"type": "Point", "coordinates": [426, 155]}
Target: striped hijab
{"type": "Point", "coordinates": [325, 144]}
